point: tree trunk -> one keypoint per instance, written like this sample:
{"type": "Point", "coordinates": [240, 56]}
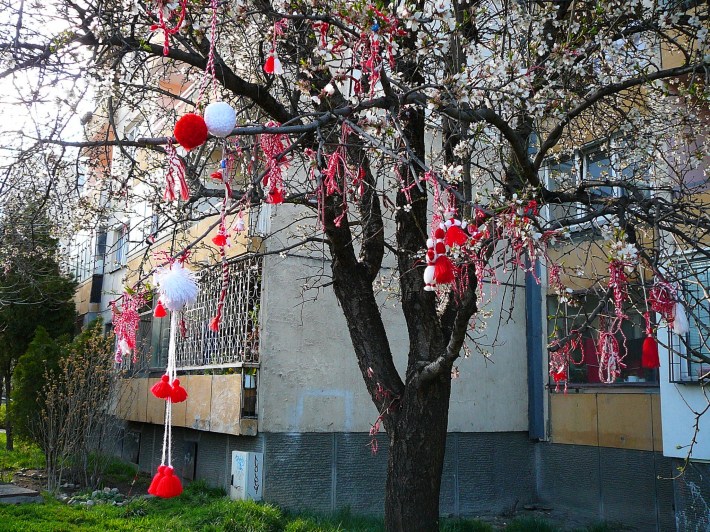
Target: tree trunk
{"type": "Point", "coordinates": [416, 459]}
{"type": "Point", "coordinates": [9, 445]}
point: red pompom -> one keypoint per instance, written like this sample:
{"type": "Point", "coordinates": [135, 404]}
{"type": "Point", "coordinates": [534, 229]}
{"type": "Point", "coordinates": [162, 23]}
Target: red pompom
{"type": "Point", "coordinates": [649, 353]}
{"type": "Point", "coordinates": [169, 486]}
{"type": "Point", "coordinates": [177, 393]}
{"type": "Point", "coordinates": [455, 236]}
{"type": "Point", "coordinates": [440, 248]}
{"type": "Point", "coordinates": [430, 255]}
{"type": "Point", "coordinates": [443, 270]}
{"type": "Point", "coordinates": [560, 375]}
{"type": "Point", "coordinates": [156, 479]}
{"type": "Point", "coordinates": [216, 175]}
{"type": "Point", "coordinates": [220, 240]}
{"type": "Point", "coordinates": [159, 311]}
{"type": "Point", "coordinates": [191, 131]}
{"type": "Point", "coordinates": [439, 233]}
{"type": "Point", "coordinates": [214, 324]}
{"type": "Point", "coordinates": [161, 389]}
{"type": "Point", "coordinates": [275, 196]}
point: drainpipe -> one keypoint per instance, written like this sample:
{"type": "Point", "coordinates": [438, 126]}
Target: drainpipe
{"type": "Point", "coordinates": [533, 337]}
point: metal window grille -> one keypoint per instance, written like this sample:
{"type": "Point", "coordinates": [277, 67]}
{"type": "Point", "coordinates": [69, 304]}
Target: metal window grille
{"type": "Point", "coordinates": [237, 340]}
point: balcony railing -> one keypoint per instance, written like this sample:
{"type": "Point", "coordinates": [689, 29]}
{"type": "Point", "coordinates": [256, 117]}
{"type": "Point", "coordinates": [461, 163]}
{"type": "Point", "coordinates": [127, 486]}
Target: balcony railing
{"type": "Point", "coordinates": [237, 340]}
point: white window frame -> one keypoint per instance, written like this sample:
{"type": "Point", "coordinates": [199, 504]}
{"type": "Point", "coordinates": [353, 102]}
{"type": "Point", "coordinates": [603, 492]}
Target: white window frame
{"type": "Point", "coordinates": [580, 161]}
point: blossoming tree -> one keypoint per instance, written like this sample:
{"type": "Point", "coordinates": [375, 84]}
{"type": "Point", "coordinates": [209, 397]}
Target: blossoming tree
{"type": "Point", "coordinates": [469, 124]}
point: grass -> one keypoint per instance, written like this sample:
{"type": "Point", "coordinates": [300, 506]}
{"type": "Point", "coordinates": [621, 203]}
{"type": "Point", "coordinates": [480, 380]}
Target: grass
{"type": "Point", "coordinates": [25, 455]}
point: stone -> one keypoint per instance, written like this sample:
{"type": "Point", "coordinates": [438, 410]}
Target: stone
{"type": "Point", "coordinates": [90, 503]}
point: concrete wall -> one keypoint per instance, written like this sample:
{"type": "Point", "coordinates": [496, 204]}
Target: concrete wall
{"type": "Point", "coordinates": [678, 404]}
{"type": "Point", "coordinates": [692, 497]}
{"type": "Point", "coordinates": [624, 486]}
{"type": "Point", "coordinates": [310, 381]}
{"type": "Point", "coordinates": [483, 474]}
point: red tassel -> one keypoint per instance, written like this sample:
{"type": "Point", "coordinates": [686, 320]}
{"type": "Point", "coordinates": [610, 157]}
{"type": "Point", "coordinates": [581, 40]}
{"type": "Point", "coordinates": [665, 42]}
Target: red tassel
{"type": "Point", "coordinates": [439, 234]}
{"type": "Point", "coordinates": [177, 393]}
{"type": "Point", "coordinates": [216, 175]}
{"type": "Point", "coordinates": [649, 353]}
{"type": "Point", "coordinates": [161, 389]}
{"type": "Point", "coordinates": [443, 270]}
{"type": "Point", "coordinates": [214, 323]}
{"type": "Point", "coordinates": [219, 240]}
{"type": "Point", "coordinates": [169, 486]}
{"type": "Point", "coordinates": [156, 479]}
{"type": "Point", "coordinates": [160, 310]}
{"type": "Point", "coordinates": [455, 236]}
{"type": "Point", "coordinates": [275, 196]}
{"type": "Point", "coordinates": [269, 65]}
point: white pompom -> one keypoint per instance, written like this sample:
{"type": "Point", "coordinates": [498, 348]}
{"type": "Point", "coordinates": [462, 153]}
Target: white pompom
{"type": "Point", "coordinates": [447, 223]}
{"type": "Point", "coordinates": [430, 243]}
{"type": "Point", "coordinates": [239, 225]}
{"type": "Point", "coordinates": [220, 118]}
{"type": "Point", "coordinates": [429, 275]}
{"type": "Point", "coordinates": [177, 286]}
{"type": "Point", "coordinates": [124, 347]}
{"type": "Point", "coordinates": [680, 320]}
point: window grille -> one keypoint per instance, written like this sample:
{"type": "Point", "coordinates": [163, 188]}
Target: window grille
{"type": "Point", "coordinates": [237, 340]}
{"type": "Point", "coordinates": [688, 356]}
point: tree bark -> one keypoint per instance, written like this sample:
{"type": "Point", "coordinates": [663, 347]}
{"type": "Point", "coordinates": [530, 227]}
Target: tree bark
{"type": "Point", "coordinates": [9, 444]}
{"type": "Point", "coordinates": [416, 458]}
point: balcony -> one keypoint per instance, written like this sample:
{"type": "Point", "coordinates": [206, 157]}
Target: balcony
{"type": "Point", "coordinates": [219, 369]}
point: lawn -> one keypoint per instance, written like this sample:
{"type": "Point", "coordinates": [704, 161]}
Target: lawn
{"type": "Point", "coordinates": [199, 508]}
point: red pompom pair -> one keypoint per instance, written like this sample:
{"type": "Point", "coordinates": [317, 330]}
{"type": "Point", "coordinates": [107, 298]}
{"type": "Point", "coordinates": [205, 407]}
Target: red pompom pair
{"type": "Point", "coordinates": [163, 389]}
{"type": "Point", "coordinates": [165, 483]}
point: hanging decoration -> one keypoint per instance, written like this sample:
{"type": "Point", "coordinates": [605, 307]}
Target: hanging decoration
{"type": "Point", "coordinates": [126, 321]}
{"type": "Point", "coordinates": [274, 145]}
{"type": "Point", "coordinates": [178, 288]}
{"type": "Point", "coordinates": [273, 65]}
{"type": "Point", "coordinates": [176, 169]}
{"type": "Point", "coordinates": [220, 118]}
{"type": "Point", "coordinates": [190, 131]}
{"type": "Point", "coordinates": [649, 349]}
{"type": "Point", "coordinates": [164, 12]}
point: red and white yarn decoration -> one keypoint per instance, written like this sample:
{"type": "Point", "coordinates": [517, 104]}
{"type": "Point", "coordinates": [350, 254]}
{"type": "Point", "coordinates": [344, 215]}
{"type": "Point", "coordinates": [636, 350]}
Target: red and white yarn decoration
{"type": "Point", "coordinates": [125, 323]}
{"type": "Point", "coordinates": [274, 145]}
{"type": "Point", "coordinates": [175, 174]}
{"type": "Point", "coordinates": [273, 65]}
{"type": "Point", "coordinates": [178, 288]}
{"type": "Point", "coordinates": [165, 13]}
{"type": "Point", "coordinates": [440, 269]}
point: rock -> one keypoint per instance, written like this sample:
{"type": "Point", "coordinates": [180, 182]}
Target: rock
{"type": "Point", "coordinates": [95, 493]}
{"type": "Point", "coordinates": [114, 490]}
{"type": "Point", "coordinates": [107, 490]}
{"type": "Point", "coordinates": [90, 503]}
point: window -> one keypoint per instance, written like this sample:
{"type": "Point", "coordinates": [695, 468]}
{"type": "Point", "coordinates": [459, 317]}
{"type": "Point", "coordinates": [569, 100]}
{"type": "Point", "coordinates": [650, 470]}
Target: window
{"type": "Point", "coordinates": [585, 366]}
{"type": "Point", "coordinates": [597, 167]}
{"type": "Point", "coordinates": [687, 364]}
{"type": "Point", "coordinates": [119, 248]}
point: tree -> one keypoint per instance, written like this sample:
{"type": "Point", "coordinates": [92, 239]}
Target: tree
{"type": "Point", "coordinates": [33, 291]}
{"type": "Point", "coordinates": [507, 91]}
{"type": "Point", "coordinates": [39, 361]}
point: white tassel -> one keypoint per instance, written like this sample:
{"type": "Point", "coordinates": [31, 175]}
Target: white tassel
{"type": "Point", "coordinates": [177, 286]}
{"type": "Point", "coordinates": [680, 320]}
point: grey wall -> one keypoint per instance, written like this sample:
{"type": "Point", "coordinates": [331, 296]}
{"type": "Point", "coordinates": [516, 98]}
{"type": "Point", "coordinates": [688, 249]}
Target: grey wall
{"type": "Point", "coordinates": [606, 484]}
{"type": "Point", "coordinates": [484, 473]}
{"type": "Point", "coordinates": [692, 497]}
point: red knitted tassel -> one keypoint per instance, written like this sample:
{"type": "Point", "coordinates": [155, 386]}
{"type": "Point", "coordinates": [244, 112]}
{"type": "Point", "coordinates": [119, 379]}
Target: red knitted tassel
{"type": "Point", "coordinates": [455, 236]}
{"type": "Point", "coordinates": [160, 310]}
{"type": "Point", "coordinates": [169, 486]}
{"type": "Point", "coordinates": [177, 393]}
{"type": "Point", "coordinates": [443, 270]}
{"type": "Point", "coordinates": [156, 479]}
{"type": "Point", "coordinates": [214, 323]}
{"type": "Point", "coordinates": [161, 389]}
{"type": "Point", "coordinates": [220, 239]}
{"type": "Point", "coordinates": [649, 353]}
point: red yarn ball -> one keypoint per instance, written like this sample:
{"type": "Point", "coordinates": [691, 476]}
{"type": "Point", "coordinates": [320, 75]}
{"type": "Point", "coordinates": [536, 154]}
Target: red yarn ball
{"type": "Point", "coordinates": [191, 131]}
